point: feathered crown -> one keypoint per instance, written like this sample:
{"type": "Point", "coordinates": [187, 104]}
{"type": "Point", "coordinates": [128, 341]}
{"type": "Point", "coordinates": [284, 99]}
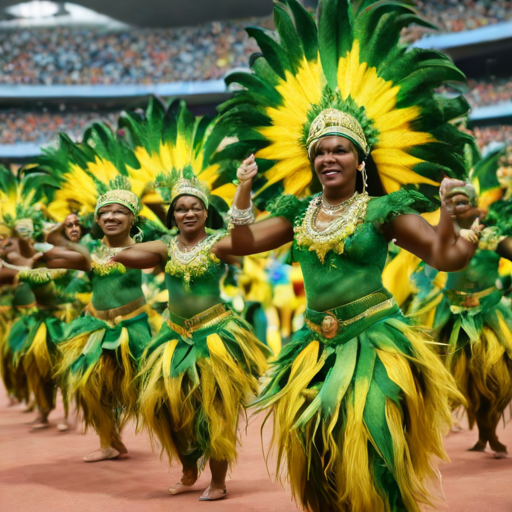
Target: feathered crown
{"type": "Point", "coordinates": [347, 74]}
{"type": "Point", "coordinates": [19, 209]}
{"type": "Point", "coordinates": [119, 192]}
{"type": "Point", "coordinates": [175, 148]}
{"type": "Point", "coordinates": [77, 177]}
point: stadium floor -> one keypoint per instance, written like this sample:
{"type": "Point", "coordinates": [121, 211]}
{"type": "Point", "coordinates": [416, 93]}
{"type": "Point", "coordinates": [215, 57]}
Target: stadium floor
{"type": "Point", "coordinates": [43, 471]}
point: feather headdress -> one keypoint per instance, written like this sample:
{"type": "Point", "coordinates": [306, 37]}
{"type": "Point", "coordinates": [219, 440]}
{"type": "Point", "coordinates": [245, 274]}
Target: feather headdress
{"type": "Point", "coordinates": [20, 211]}
{"type": "Point", "coordinates": [349, 60]}
{"type": "Point", "coordinates": [175, 148]}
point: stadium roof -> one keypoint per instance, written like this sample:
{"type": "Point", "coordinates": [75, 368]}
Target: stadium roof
{"type": "Point", "coordinates": [172, 13]}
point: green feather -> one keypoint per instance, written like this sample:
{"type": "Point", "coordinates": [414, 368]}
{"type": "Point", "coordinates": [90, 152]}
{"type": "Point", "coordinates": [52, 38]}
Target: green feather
{"type": "Point", "coordinates": [375, 419]}
{"type": "Point", "coordinates": [274, 53]}
{"type": "Point", "coordinates": [290, 41]}
{"type": "Point", "coordinates": [306, 29]}
{"type": "Point", "coordinates": [335, 36]}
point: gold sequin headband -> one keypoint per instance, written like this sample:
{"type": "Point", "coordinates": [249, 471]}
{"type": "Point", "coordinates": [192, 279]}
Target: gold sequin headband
{"type": "Point", "coordinates": [335, 122]}
{"type": "Point", "coordinates": [123, 197]}
{"type": "Point", "coordinates": [186, 187]}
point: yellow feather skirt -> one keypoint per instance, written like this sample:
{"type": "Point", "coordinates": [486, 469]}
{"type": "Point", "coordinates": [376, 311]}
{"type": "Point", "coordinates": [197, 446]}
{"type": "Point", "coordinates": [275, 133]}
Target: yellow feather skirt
{"type": "Point", "coordinates": [194, 388]}
{"type": "Point", "coordinates": [358, 420]}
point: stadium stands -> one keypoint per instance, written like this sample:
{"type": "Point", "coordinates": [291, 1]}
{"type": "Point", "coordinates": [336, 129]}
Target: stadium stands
{"type": "Point", "coordinates": [116, 69]}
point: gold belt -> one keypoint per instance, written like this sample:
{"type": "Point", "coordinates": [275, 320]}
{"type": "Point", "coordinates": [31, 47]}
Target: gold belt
{"type": "Point", "coordinates": [132, 309]}
{"type": "Point", "coordinates": [331, 325]}
{"type": "Point", "coordinates": [466, 299]}
{"type": "Point", "coordinates": [203, 320]}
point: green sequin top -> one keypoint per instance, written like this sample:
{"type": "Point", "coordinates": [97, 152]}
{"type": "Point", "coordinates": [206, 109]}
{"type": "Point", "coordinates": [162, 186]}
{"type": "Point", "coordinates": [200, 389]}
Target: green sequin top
{"type": "Point", "coordinates": [357, 272]}
{"type": "Point", "coordinates": [193, 278]}
{"type": "Point", "coordinates": [113, 285]}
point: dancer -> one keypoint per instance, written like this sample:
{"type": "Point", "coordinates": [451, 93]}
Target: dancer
{"type": "Point", "coordinates": [100, 350]}
{"type": "Point", "coordinates": [469, 313]}
{"type": "Point", "coordinates": [204, 364]}
{"type": "Point", "coordinates": [359, 400]}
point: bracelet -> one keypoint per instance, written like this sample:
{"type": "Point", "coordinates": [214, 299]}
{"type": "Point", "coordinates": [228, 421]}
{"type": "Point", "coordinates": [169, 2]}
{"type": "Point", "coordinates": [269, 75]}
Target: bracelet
{"type": "Point", "coordinates": [241, 217]}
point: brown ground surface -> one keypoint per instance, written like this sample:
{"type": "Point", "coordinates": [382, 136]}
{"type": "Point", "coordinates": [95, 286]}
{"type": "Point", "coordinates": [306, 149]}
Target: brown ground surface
{"type": "Point", "coordinates": [43, 471]}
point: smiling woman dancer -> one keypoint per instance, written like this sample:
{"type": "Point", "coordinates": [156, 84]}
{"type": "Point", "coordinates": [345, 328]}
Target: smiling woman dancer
{"type": "Point", "coordinates": [359, 401]}
{"type": "Point", "coordinates": [204, 364]}
{"type": "Point", "coordinates": [100, 349]}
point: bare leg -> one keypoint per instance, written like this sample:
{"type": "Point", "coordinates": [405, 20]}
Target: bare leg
{"type": "Point", "coordinates": [189, 477]}
{"type": "Point", "coordinates": [217, 488]}
{"type": "Point", "coordinates": [487, 424]}
{"type": "Point", "coordinates": [42, 421]}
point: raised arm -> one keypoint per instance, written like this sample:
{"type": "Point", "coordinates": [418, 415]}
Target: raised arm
{"type": "Point", "coordinates": [440, 247]}
{"type": "Point", "coordinates": [248, 239]}
{"type": "Point", "coordinates": [146, 255]}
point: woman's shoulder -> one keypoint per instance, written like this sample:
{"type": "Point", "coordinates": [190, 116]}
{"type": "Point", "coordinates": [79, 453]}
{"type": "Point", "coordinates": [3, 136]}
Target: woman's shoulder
{"type": "Point", "coordinates": [288, 206]}
{"type": "Point", "coordinates": [384, 209]}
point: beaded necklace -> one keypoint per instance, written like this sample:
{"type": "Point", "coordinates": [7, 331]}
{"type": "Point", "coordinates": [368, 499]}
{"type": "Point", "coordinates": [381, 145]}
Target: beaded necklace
{"type": "Point", "coordinates": [101, 258]}
{"type": "Point", "coordinates": [351, 213]}
{"type": "Point", "coordinates": [195, 261]}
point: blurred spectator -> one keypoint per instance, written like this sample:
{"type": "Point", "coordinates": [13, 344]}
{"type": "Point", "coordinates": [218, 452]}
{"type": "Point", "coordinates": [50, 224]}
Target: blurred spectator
{"type": "Point", "coordinates": [492, 134]}
{"type": "Point", "coordinates": [459, 15]}
{"type": "Point", "coordinates": [482, 93]}
{"type": "Point", "coordinates": [43, 127]}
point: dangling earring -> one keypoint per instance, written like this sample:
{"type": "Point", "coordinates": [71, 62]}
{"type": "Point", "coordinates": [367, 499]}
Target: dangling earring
{"type": "Point", "coordinates": [139, 236]}
{"type": "Point", "coordinates": [362, 169]}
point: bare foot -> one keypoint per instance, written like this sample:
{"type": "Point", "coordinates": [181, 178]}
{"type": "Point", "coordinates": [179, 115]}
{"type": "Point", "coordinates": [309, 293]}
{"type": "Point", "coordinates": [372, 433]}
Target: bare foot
{"type": "Point", "coordinates": [479, 447]}
{"type": "Point", "coordinates": [28, 408]}
{"type": "Point", "coordinates": [105, 454]}
{"type": "Point", "coordinates": [63, 426]}
{"type": "Point", "coordinates": [12, 401]}
{"type": "Point", "coordinates": [213, 494]}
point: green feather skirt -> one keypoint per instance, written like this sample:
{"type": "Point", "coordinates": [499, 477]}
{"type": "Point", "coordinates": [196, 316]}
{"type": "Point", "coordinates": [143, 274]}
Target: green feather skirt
{"type": "Point", "coordinates": [358, 419]}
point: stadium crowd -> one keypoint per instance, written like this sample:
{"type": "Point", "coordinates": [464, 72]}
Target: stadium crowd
{"type": "Point", "coordinates": [20, 126]}
{"type": "Point", "coordinates": [482, 93]}
{"type": "Point", "coordinates": [88, 56]}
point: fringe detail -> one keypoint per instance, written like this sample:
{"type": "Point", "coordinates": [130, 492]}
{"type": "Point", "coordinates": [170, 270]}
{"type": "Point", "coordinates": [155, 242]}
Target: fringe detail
{"type": "Point", "coordinates": [105, 392]}
{"type": "Point", "coordinates": [194, 415]}
{"type": "Point", "coordinates": [373, 450]}
{"type": "Point", "coordinates": [37, 363]}
{"type": "Point", "coordinates": [485, 370]}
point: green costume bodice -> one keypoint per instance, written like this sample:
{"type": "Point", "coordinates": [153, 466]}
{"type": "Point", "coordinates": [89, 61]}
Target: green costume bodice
{"type": "Point", "coordinates": [23, 296]}
{"type": "Point", "coordinates": [480, 274]}
{"type": "Point", "coordinates": [193, 278]}
{"type": "Point", "coordinates": [113, 285]}
{"type": "Point", "coordinates": [357, 271]}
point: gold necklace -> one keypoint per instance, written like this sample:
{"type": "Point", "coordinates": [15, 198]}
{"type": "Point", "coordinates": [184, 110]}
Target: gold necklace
{"type": "Point", "coordinates": [334, 209]}
{"type": "Point", "coordinates": [193, 263]}
{"type": "Point", "coordinates": [337, 231]}
{"type": "Point", "coordinates": [101, 260]}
